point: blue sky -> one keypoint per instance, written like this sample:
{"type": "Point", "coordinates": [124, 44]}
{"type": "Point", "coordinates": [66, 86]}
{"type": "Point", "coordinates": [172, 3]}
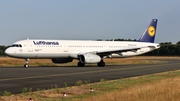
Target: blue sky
{"type": "Point", "coordinates": [87, 19]}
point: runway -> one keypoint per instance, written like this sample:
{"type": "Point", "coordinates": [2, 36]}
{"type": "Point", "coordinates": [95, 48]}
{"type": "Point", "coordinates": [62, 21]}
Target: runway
{"type": "Point", "coordinates": [14, 79]}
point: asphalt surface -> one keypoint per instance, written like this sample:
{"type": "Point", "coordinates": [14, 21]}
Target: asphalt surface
{"type": "Point", "coordinates": [14, 79]}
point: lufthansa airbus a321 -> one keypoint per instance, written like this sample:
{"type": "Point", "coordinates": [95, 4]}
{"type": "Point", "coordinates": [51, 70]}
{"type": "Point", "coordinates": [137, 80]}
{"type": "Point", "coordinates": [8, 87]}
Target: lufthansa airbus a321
{"type": "Point", "coordinates": [87, 52]}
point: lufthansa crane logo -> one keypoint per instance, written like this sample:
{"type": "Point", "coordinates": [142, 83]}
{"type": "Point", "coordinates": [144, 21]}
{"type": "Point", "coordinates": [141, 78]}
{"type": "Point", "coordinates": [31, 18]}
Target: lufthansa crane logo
{"type": "Point", "coordinates": [151, 31]}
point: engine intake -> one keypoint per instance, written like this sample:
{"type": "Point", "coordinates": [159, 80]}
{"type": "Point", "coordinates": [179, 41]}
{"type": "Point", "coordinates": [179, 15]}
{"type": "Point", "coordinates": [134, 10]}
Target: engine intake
{"type": "Point", "coordinates": [89, 58]}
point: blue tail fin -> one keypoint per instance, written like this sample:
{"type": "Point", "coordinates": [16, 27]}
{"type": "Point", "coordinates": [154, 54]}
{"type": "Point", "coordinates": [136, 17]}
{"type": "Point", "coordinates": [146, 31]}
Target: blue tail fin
{"type": "Point", "coordinates": [150, 32]}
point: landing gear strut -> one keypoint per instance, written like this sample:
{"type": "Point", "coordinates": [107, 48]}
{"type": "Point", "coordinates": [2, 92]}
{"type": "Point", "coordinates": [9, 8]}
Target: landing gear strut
{"type": "Point", "coordinates": [26, 64]}
{"type": "Point", "coordinates": [101, 63]}
{"type": "Point", "coordinates": [80, 64]}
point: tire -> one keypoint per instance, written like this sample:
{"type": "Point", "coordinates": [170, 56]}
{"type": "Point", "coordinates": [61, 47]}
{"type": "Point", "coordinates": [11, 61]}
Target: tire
{"type": "Point", "coordinates": [26, 65]}
{"type": "Point", "coordinates": [81, 64]}
{"type": "Point", "coordinates": [101, 64]}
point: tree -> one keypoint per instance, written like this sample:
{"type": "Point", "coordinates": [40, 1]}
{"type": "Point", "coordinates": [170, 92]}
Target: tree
{"type": "Point", "coordinates": [2, 49]}
{"type": "Point", "coordinates": [178, 43]}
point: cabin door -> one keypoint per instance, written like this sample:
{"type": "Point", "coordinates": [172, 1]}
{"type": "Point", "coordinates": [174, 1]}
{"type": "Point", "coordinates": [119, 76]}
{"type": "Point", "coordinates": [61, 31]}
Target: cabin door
{"type": "Point", "coordinates": [65, 48]}
{"type": "Point", "coordinates": [30, 47]}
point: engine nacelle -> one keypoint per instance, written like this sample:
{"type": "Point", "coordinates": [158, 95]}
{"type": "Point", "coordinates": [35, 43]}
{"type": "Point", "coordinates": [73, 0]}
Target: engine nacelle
{"type": "Point", "coordinates": [89, 58]}
{"type": "Point", "coordinates": [62, 60]}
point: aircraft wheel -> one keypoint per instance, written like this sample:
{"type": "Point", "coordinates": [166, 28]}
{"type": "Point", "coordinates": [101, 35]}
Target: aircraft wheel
{"type": "Point", "coordinates": [101, 64]}
{"type": "Point", "coordinates": [26, 65]}
{"type": "Point", "coordinates": [81, 64]}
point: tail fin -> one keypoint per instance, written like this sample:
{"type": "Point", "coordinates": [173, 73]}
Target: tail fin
{"type": "Point", "coordinates": [150, 32]}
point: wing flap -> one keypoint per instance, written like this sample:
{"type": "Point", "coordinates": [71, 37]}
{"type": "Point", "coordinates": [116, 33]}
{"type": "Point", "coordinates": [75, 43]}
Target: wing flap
{"type": "Point", "coordinates": [109, 52]}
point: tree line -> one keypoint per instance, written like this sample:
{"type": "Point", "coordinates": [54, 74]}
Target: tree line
{"type": "Point", "coordinates": [166, 49]}
{"type": "Point", "coordinates": [2, 49]}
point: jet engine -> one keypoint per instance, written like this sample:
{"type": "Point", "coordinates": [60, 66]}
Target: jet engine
{"type": "Point", "coordinates": [89, 58]}
{"type": "Point", "coordinates": [62, 60]}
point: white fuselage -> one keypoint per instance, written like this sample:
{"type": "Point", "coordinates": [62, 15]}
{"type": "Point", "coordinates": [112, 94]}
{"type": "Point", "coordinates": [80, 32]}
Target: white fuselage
{"type": "Point", "coordinates": [72, 48]}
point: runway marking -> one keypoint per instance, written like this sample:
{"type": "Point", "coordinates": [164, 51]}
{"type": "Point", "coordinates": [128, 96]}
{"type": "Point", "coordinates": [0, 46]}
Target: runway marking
{"type": "Point", "coordinates": [34, 77]}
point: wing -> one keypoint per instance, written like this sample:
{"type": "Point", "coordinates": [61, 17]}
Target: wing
{"type": "Point", "coordinates": [103, 53]}
{"type": "Point", "coordinates": [109, 52]}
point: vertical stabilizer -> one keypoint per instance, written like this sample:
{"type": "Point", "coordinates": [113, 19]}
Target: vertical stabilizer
{"type": "Point", "coordinates": [150, 32]}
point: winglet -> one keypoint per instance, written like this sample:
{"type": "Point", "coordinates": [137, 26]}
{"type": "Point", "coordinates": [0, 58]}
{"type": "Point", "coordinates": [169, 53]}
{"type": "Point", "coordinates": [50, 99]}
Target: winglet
{"type": "Point", "coordinates": [150, 32]}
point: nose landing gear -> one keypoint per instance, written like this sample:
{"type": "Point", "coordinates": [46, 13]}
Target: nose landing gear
{"type": "Point", "coordinates": [26, 64]}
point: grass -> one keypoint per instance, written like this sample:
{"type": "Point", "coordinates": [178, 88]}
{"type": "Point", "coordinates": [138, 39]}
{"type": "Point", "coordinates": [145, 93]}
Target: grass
{"type": "Point", "coordinates": [156, 87]}
{"type": "Point", "coordinates": [165, 90]}
{"type": "Point", "coordinates": [161, 90]}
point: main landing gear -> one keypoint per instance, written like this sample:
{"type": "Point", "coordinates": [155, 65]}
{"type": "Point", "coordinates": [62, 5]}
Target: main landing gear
{"type": "Point", "coordinates": [80, 64]}
{"type": "Point", "coordinates": [99, 64]}
{"type": "Point", "coordinates": [26, 64]}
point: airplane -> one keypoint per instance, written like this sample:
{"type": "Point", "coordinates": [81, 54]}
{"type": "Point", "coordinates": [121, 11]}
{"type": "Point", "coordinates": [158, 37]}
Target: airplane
{"type": "Point", "coordinates": [87, 52]}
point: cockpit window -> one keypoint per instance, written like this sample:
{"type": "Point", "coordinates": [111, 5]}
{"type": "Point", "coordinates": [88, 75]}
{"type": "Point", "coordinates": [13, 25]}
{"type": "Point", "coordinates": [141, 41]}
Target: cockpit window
{"type": "Point", "coordinates": [15, 45]}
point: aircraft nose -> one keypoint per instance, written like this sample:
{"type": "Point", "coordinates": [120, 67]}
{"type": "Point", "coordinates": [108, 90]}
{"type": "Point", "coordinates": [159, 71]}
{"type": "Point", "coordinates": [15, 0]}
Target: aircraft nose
{"type": "Point", "coordinates": [8, 52]}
